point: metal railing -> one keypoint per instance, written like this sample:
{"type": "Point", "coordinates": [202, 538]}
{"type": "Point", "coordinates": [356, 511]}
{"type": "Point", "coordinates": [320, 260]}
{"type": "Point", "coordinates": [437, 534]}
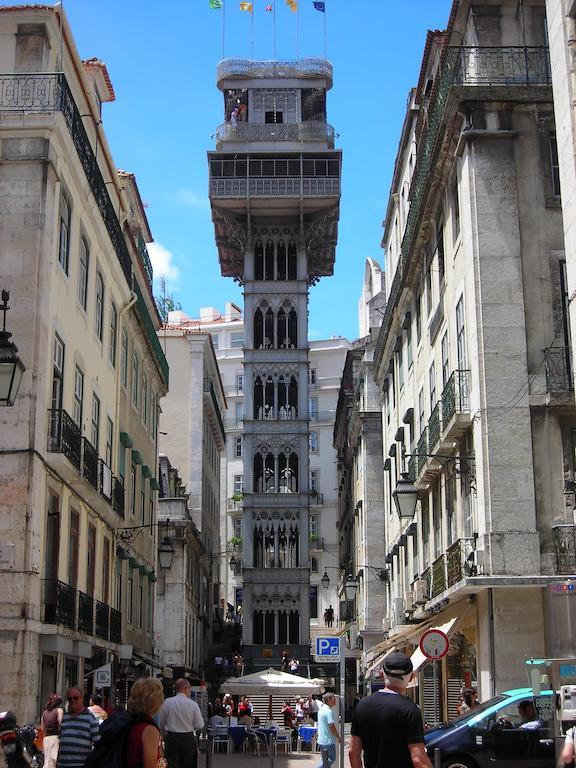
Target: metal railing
{"type": "Point", "coordinates": [316, 497]}
{"type": "Point", "coordinates": [434, 428]}
{"type": "Point", "coordinates": [64, 436]}
{"type": "Point", "coordinates": [565, 548]}
{"type": "Point", "coordinates": [150, 331]}
{"type": "Point", "coordinates": [438, 584]}
{"type": "Point", "coordinates": [115, 626]}
{"type": "Point", "coordinates": [118, 496]}
{"type": "Point", "coordinates": [412, 469]}
{"type": "Point", "coordinates": [209, 389]}
{"type": "Point", "coordinates": [85, 613]}
{"type": "Point", "coordinates": [422, 450]}
{"type": "Point", "coordinates": [59, 601]}
{"type": "Point", "coordinates": [89, 462]}
{"type": "Point", "coordinates": [265, 132]}
{"type": "Point", "coordinates": [102, 620]}
{"type": "Point", "coordinates": [275, 187]}
{"type": "Point", "coordinates": [496, 65]}
{"type": "Point", "coordinates": [301, 68]}
{"type": "Point", "coordinates": [456, 395]}
{"type": "Point", "coordinates": [145, 258]}
{"type": "Point", "coordinates": [458, 564]}
{"type": "Point", "coordinates": [558, 366]}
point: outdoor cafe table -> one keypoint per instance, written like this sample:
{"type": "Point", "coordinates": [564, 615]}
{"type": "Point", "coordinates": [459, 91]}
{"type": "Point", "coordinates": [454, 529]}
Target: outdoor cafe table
{"type": "Point", "coordinates": [238, 734]}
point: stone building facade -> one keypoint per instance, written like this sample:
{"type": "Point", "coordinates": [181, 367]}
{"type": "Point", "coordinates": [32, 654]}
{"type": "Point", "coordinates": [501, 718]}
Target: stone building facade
{"type": "Point", "coordinates": [78, 448]}
{"type": "Point", "coordinates": [274, 192]}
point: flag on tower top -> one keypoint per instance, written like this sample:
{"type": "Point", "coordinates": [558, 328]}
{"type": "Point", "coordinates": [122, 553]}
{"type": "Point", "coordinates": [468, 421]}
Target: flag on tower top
{"type": "Point", "coordinates": [293, 5]}
{"type": "Point", "coordinates": [246, 7]}
{"type": "Point", "coordinates": [320, 6]}
{"type": "Point", "coordinates": [215, 3]}
{"type": "Point", "coordinates": [268, 8]}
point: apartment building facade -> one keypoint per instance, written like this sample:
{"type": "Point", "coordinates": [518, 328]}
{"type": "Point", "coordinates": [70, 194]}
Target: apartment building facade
{"type": "Point", "coordinates": [471, 360]}
{"type": "Point", "coordinates": [79, 445]}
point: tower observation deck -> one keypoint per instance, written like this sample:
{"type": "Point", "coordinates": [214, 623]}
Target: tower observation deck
{"type": "Point", "coordinates": [275, 194]}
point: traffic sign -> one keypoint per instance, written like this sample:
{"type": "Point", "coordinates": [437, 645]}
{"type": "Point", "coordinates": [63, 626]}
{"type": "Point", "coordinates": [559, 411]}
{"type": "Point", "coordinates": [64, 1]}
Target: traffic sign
{"type": "Point", "coordinates": [327, 649]}
{"type": "Point", "coordinates": [434, 644]}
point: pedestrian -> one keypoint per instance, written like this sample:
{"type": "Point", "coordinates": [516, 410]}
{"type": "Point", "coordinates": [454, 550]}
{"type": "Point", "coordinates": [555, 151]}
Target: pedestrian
{"type": "Point", "coordinates": [96, 708]}
{"type": "Point", "coordinates": [314, 706]}
{"type": "Point", "coordinates": [294, 664]}
{"type": "Point", "coordinates": [144, 748]}
{"type": "Point", "coordinates": [327, 732]}
{"type": "Point", "coordinates": [50, 721]}
{"type": "Point", "coordinates": [387, 726]}
{"type": "Point", "coordinates": [78, 732]}
{"type": "Point", "coordinates": [568, 752]}
{"type": "Point", "coordinates": [179, 718]}
{"type": "Point", "coordinates": [299, 710]}
{"type": "Point", "coordinates": [285, 661]}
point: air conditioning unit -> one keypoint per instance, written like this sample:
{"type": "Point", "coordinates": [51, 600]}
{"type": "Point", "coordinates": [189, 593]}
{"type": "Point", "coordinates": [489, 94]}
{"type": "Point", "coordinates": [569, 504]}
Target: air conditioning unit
{"type": "Point", "coordinates": [399, 610]}
{"type": "Point", "coordinates": [420, 591]}
{"type": "Point", "coordinates": [386, 624]}
{"type": "Point", "coordinates": [410, 598]}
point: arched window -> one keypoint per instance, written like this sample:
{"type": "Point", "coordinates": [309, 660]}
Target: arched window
{"type": "Point", "coordinates": [281, 328]}
{"type": "Point", "coordinates": [294, 628]}
{"type": "Point", "coordinates": [269, 399]}
{"type": "Point", "coordinates": [269, 474]}
{"type": "Point", "coordinates": [258, 485]}
{"type": "Point", "coordinates": [269, 261]}
{"type": "Point", "coordinates": [269, 330]}
{"type": "Point", "coordinates": [258, 329]}
{"type": "Point", "coordinates": [258, 260]}
{"type": "Point", "coordinates": [293, 398]}
{"type": "Point", "coordinates": [292, 330]}
{"type": "Point", "coordinates": [258, 628]}
{"type": "Point", "coordinates": [258, 398]}
{"type": "Point", "coordinates": [292, 261]}
{"type": "Point", "coordinates": [314, 564]}
{"type": "Point", "coordinates": [281, 261]}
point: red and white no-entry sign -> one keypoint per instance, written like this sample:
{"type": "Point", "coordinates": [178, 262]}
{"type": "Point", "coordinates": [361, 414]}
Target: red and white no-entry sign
{"type": "Point", "coordinates": [434, 644]}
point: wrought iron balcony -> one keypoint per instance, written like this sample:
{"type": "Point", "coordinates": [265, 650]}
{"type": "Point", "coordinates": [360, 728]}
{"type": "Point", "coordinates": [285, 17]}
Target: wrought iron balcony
{"type": "Point", "coordinates": [105, 481]}
{"type": "Point", "coordinates": [102, 620]}
{"type": "Point", "coordinates": [64, 436]}
{"type": "Point", "coordinates": [412, 469]}
{"type": "Point", "coordinates": [438, 584]}
{"type": "Point", "coordinates": [459, 560]}
{"type": "Point", "coordinates": [145, 259]}
{"type": "Point", "coordinates": [495, 65]}
{"type": "Point", "coordinates": [565, 548]}
{"type": "Point", "coordinates": [456, 396]}
{"type": "Point", "coordinates": [422, 451]}
{"type": "Point", "coordinates": [85, 613]}
{"type": "Point", "coordinates": [150, 331]}
{"type": "Point", "coordinates": [275, 187]}
{"type": "Point", "coordinates": [115, 626]}
{"type": "Point", "coordinates": [89, 462]}
{"type": "Point", "coordinates": [434, 428]}
{"type": "Point", "coordinates": [558, 365]}
{"type": "Point", "coordinates": [118, 496]}
{"type": "Point", "coordinates": [209, 389]}
{"type": "Point", "coordinates": [59, 603]}
{"type": "Point", "coordinates": [310, 131]}
{"type": "Point", "coordinates": [232, 69]}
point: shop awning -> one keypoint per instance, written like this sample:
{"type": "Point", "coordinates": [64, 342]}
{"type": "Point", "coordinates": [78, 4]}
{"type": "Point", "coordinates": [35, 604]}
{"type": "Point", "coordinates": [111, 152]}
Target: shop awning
{"type": "Point", "coordinates": [452, 620]}
{"type": "Point", "coordinates": [380, 651]}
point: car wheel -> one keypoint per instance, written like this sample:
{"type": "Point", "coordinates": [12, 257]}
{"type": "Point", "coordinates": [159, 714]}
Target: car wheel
{"type": "Point", "coordinates": [458, 762]}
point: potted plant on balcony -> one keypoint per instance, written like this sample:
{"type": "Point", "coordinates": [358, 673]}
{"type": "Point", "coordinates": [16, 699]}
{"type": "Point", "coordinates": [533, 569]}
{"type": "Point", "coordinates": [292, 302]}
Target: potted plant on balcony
{"type": "Point", "coordinates": [314, 493]}
{"type": "Point", "coordinates": [313, 537]}
{"type": "Point", "coordinates": [236, 541]}
{"type": "Point", "coordinates": [237, 497]}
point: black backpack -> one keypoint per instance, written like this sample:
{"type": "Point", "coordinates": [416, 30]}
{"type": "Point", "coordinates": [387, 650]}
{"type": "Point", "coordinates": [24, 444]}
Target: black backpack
{"type": "Point", "coordinates": [110, 750]}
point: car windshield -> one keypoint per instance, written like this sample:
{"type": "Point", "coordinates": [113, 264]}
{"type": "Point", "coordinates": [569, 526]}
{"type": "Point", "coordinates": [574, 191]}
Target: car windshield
{"type": "Point", "coordinates": [483, 707]}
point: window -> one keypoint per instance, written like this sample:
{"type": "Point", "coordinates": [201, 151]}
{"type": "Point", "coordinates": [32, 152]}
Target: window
{"type": "Point", "coordinates": [440, 249]}
{"type": "Point", "coordinates": [95, 421]}
{"type": "Point", "coordinates": [314, 564]}
{"type": "Point", "coordinates": [113, 331]}
{"type": "Point", "coordinates": [400, 365]}
{"type": "Point", "coordinates": [238, 447]}
{"type": "Point", "coordinates": [313, 524]}
{"type": "Point", "coordinates": [314, 480]}
{"type": "Point", "coordinates": [135, 379]}
{"type": "Point", "coordinates": [105, 570]}
{"type": "Point", "coordinates": [239, 383]}
{"type": "Point", "coordinates": [238, 528]}
{"type": "Point", "coordinates": [91, 561]}
{"type": "Point", "coordinates": [461, 335]}
{"type": "Point", "coordinates": [428, 285]}
{"type": "Point", "coordinates": [142, 502]}
{"type": "Point", "coordinates": [129, 598]}
{"type": "Point", "coordinates": [144, 397]}
{"type": "Point", "coordinates": [418, 312]}
{"type": "Point", "coordinates": [64, 239]}
{"type": "Point", "coordinates": [133, 489]}
{"type": "Point", "coordinates": [455, 210]}
{"type": "Point", "coordinates": [437, 521]}
{"type": "Point", "coordinates": [58, 374]}
{"type": "Point", "coordinates": [239, 412]}
{"type": "Point", "coordinates": [83, 265]}
{"type": "Point", "coordinates": [153, 416]}
{"type": "Point", "coordinates": [215, 341]}
{"type": "Point", "coordinates": [140, 600]}
{"type": "Point", "coordinates": [78, 396]}
{"type": "Point", "coordinates": [312, 377]}
{"type": "Point", "coordinates": [445, 361]}
{"type": "Point", "coordinates": [312, 408]}
{"type": "Point", "coordinates": [554, 164]}
{"type": "Point", "coordinates": [118, 594]}
{"type": "Point", "coordinates": [313, 442]}
{"type": "Point", "coordinates": [432, 382]}
{"type": "Point", "coordinates": [124, 360]}
{"type": "Point", "coordinates": [237, 340]}
{"type": "Point", "coordinates": [409, 353]}
{"type": "Point", "coordinates": [109, 441]}
{"type": "Point", "coordinates": [313, 601]}
{"type": "Point", "coordinates": [238, 484]}
{"type": "Point", "coordinates": [425, 534]}
{"type": "Point", "coordinates": [421, 410]}
{"type": "Point", "coordinates": [387, 403]}
{"type": "Point", "coordinates": [99, 316]}
{"type": "Point", "coordinates": [73, 548]}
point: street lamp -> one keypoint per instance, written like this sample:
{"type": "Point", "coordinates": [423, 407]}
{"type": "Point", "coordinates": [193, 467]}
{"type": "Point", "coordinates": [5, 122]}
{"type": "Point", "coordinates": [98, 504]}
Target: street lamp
{"type": "Point", "coordinates": [405, 497]}
{"type": "Point", "coordinates": [166, 554]}
{"type": "Point", "coordinates": [233, 563]}
{"type": "Point", "coordinates": [11, 367]}
{"type": "Point", "coordinates": [325, 580]}
{"type": "Point", "coordinates": [350, 587]}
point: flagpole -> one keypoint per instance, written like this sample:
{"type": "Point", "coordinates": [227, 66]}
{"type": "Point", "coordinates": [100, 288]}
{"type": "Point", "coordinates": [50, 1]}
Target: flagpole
{"type": "Point", "coordinates": [325, 47]}
{"type": "Point", "coordinates": [297, 33]}
{"type": "Point", "coordinates": [274, 30]}
{"type": "Point", "coordinates": [252, 30]}
{"type": "Point", "coordinates": [223, 29]}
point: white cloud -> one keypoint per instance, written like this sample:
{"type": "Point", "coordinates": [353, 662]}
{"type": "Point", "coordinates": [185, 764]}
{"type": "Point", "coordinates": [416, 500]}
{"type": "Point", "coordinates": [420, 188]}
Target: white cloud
{"type": "Point", "coordinates": [163, 263]}
{"type": "Point", "coordinates": [191, 199]}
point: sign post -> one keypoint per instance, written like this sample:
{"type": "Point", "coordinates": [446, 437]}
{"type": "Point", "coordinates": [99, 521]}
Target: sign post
{"type": "Point", "coordinates": [435, 644]}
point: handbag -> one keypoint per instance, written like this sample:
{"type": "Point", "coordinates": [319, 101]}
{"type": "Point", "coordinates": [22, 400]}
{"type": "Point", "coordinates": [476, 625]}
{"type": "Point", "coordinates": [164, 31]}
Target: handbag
{"type": "Point", "coordinates": [39, 740]}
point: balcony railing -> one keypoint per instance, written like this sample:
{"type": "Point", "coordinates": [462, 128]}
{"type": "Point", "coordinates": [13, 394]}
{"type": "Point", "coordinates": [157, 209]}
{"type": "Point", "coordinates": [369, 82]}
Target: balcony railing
{"type": "Point", "coordinates": [456, 395]}
{"type": "Point", "coordinates": [89, 462]}
{"type": "Point", "coordinates": [434, 428]}
{"type": "Point", "coordinates": [105, 481]}
{"type": "Point", "coordinates": [422, 450]}
{"type": "Point", "coordinates": [270, 132]}
{"type": "Point", "coordinates": [59, 603]}
{"type": "Point", "coordinates": [118, 497]}
{"type": "Point", "coordinates": [64, 436]}
{"type": "Point", "coordinates": [495, 65]}
{"type": "Point", "coordinates": [145, 258]}
{"type": "Point", "coordinates": [302, 68]}
{"type": "Point", "coordinates": [209, 389]}
{"type": "Point", "coordinates": [275, 187]}
{"type": "Point", "coordinates": [115, 626]}
{"type": "Point", "coordinates": [102, 620]}
{"type": "Point", "coordinates": [438, 584]}
{"type": "Point", "coordinates": [412, 469]}
{"type": "Point", "coordinates": [558, 364]}
{"type": "Point", "coordinates": [458, 560]}
{"type": "Point", "coordinates": [150, 331]}
{"type": "Point", "coordinates": [316, 497]}
{"type": "Point", "coordinates": [85, 613]}
{"type": "Point", "coordinates": [565, 548]}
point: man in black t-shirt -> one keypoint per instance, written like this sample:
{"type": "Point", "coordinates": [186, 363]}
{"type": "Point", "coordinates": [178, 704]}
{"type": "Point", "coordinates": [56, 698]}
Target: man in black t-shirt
{"type": "Point", "coordinates": [387, 726]}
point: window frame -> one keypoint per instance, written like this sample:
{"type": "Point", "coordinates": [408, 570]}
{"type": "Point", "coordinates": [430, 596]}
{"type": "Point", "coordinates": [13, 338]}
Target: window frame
{"type": "Point", "coordinates": [135, 379]}
{"type": "Point", "coordinates": [113, 331]}
{"type": "Point", "coordinates": [95, 421]}
{"type": "Point", "coordinates": [78, 401]}
{"type": "Point", "coordinates": [313, 441]}
{"type": "Point", "coordinates": [64, 231]}
{"type": "Point", "coordinates": [99, 307]}
{"type": "Point", "coordinates": [83, 272]}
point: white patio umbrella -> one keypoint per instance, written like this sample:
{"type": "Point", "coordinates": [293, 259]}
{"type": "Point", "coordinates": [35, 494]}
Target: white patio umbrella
{"type": "Point", "coordinates": [271, 682]}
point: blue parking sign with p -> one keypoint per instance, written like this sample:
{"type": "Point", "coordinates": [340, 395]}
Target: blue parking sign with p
{"type": "Point", "coordinates": [327, 648]}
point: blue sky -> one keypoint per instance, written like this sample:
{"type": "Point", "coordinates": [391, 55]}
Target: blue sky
{"type": "Point", "coordinates": [162, 59]}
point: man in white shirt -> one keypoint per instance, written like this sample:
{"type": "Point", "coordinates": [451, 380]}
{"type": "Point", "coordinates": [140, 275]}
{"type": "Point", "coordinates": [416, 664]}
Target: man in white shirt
{"type": "Point", "coordinates": [179, 718]}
